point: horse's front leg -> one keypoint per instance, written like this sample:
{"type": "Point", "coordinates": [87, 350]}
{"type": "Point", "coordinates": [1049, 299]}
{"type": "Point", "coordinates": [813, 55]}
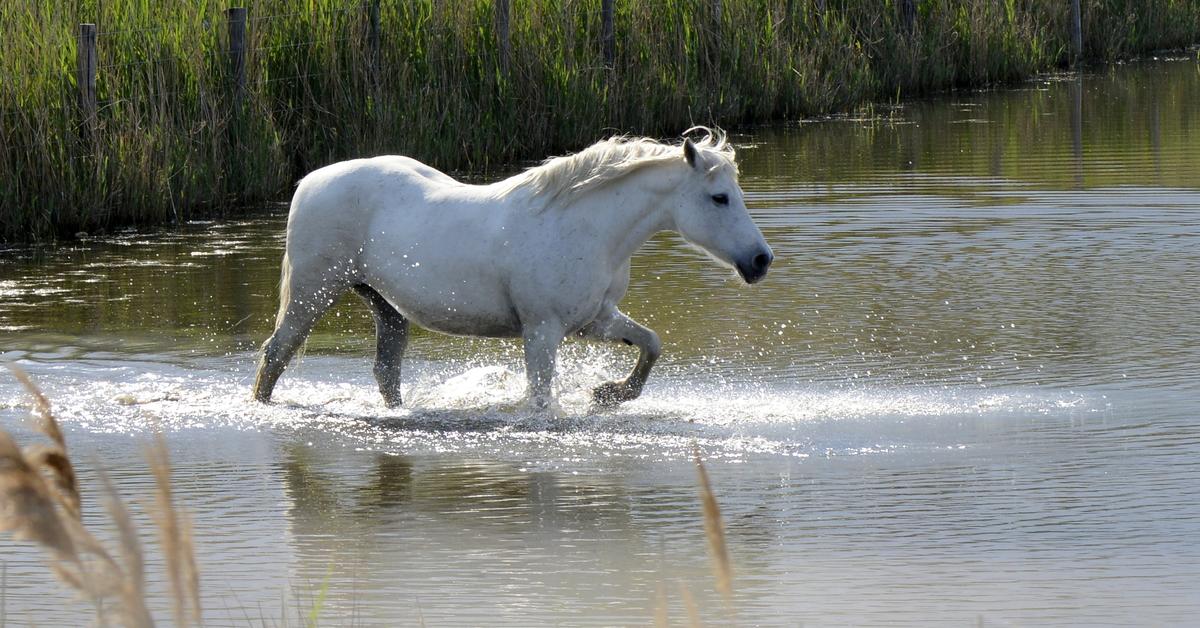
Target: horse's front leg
{"type": "Point", "coordinates": [541, 352]}
{"type": "Point", "coordinates": [615, 326]}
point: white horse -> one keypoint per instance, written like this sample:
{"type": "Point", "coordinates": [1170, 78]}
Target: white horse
{"type": "Point", "coordinates": [540, 256]}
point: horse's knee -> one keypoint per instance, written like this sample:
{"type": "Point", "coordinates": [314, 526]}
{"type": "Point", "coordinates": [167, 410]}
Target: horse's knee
{"type": "Point", "coordinates": [270, 348]}
{"type": "Point", "coordinates": [654, 346]}
{"type": "Point", "coordinates": [278, 349]}
{"type": "Point", "coordinates": [651, 346]}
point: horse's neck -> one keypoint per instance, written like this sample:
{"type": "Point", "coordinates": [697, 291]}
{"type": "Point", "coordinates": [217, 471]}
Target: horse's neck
{"type": "Point", "coordinates": [627, 212]}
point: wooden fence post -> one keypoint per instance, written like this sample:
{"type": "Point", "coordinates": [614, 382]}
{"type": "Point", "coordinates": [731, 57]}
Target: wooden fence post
{"type": "Point", "coordinates": [607, 34]}
{"type": "Point", "coordinates": [1076, 32]}
{"type": "Point", "coordinates": [85, 74]}
{"type": "Point", "coordinates": [237, 51]}
{"type": "Point", "coordinates": [502, 37]}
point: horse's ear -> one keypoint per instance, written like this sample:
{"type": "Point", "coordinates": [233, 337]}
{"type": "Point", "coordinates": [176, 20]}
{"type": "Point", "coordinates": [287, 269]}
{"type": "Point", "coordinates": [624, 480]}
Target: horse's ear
{"type": "Point", "coordinates": [689, 152]}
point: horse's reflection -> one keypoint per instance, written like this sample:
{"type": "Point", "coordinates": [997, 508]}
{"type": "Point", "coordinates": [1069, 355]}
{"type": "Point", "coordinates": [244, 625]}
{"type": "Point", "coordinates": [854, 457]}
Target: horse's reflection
{"type": "Point", "coordinates": [376, 491]}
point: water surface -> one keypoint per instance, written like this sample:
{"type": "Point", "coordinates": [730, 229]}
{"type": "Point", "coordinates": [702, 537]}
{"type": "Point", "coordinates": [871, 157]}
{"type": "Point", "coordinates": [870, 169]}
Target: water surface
{"type": "Point", "coordinates": [966, 393]}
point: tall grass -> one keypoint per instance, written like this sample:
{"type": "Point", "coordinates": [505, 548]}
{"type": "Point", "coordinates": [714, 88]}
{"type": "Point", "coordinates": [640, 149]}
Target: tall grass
{"type": "Point", "coordinates": [172, 141]}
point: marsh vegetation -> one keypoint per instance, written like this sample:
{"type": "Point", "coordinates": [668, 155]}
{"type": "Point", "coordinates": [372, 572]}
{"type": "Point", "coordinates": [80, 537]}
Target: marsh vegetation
{"type": "Point", "coordinates": [174, 137]}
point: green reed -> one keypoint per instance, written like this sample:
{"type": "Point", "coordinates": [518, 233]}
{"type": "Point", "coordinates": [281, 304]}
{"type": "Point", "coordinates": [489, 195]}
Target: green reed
{"type": "Point", "coordinates": [173, 139]}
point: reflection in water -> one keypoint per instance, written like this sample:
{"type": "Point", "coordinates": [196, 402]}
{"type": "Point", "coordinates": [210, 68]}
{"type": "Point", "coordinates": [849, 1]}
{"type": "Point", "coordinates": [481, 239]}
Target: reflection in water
{"type": "Point", "coordinates": [532, 544]}
{"type": "Point", "coordinates": [1133, 124]}
{"type": "Point", "coordinates": [967, 390]}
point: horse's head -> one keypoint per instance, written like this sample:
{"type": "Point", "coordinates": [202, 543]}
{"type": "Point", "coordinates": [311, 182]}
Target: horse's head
{"type": "Point", "coordinates": [710, 211]}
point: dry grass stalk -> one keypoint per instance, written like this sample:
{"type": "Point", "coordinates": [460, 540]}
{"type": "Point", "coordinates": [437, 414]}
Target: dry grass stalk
{"type": "Point", "coordinates": [420, 615]}
{"type": "Point", "coordinates": [53, 459]}
{"type": "Point", "coordinates": [131, 590]}
{"type": "Point", "coordinates": [41, 407]}
{"type": "Point", "coordinates": [714, 529]}
{"type": "Point", "coordinates": [61, 473]}
{"type": "Point", "coordinates": [27, 504]}
{"type": "Point", "coordinates": [175, 536]}
{"type": "Point", "coordinates": [689, 604]}
{"type": "Point", "coordinates": [660, 607]}
{"type": "Point", "coordinates": [40, 501]}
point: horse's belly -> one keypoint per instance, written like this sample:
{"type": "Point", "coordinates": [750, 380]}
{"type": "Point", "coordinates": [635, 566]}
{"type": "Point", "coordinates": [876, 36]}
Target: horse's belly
{"type": "Point", "coordinates": [453, 312]}
{"type": "Point", "coordinates": [491, 325]}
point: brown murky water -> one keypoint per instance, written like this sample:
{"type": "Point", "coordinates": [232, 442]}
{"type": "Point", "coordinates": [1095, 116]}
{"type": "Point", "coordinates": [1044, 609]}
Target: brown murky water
{"type": "Point", "coordinates": [967, 392]}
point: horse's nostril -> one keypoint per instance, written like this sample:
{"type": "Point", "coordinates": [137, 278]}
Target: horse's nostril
{"type": "Point", "coordinates": [762, 260]}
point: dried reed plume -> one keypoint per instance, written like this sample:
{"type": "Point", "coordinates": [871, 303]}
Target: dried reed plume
{"type": "Point", "coordinates": [40, 501]}
{"type": "Point", "coordinates": [714, 529]}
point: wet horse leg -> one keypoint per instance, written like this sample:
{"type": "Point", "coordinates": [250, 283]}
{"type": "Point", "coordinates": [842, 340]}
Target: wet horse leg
{"type": "Point", "coordinates": [541, 352]}
{"type": "Point", "coordinates": [391, 339]}
{"type": "Point", "coordinates": [304, 306]}
{"type": "Point", "coordinates": [617, 327]}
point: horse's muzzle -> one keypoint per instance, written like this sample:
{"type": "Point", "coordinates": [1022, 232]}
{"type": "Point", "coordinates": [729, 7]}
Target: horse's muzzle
{"type": "Point", "coordinates": [754, 268]}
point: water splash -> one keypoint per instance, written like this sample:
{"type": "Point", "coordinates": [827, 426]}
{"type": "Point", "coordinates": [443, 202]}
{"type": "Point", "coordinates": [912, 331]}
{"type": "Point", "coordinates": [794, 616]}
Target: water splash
{"type": "Point", "coordinates": [477, 409]}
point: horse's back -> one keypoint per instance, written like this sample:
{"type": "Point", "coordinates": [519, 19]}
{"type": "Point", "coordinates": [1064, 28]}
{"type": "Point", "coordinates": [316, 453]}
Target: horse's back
{"type": "Point", "coordinates": [364, 183]}
{"type": "Point", "coordinates": [333, 206]}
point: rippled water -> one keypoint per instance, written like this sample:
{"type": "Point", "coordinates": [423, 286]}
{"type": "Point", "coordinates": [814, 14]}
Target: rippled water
{"type": "Point", "coordinates": [966, 394]}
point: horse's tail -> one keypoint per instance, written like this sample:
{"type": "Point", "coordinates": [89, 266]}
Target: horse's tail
{"type": "Point", "coordinates": [285, 289]}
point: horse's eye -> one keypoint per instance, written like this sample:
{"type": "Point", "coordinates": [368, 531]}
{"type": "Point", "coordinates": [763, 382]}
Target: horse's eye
{"type": "Point", "coordinates": [720, 199]}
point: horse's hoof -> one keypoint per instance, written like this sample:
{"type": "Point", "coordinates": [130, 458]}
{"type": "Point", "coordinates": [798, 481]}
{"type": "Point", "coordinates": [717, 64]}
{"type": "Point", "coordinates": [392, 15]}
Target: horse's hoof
{"type": "Point", "coordinates": [612, 393]}
{"type": "Point", "coordinates": [540, 405]}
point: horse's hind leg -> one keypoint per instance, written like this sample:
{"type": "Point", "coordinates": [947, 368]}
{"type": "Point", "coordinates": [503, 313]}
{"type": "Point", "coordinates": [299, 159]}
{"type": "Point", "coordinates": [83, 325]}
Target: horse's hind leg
{"type": "Point", "coordinates": [614, 326]}
{"type": "Point", "coordinates": [300, 308]}
{"type": "Point", "coordinates": [391, 339]}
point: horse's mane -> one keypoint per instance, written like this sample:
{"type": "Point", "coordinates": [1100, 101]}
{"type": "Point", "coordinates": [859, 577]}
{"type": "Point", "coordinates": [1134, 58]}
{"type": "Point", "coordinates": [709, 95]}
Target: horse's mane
{"type": "Point", "coordinates": [560, 178]}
